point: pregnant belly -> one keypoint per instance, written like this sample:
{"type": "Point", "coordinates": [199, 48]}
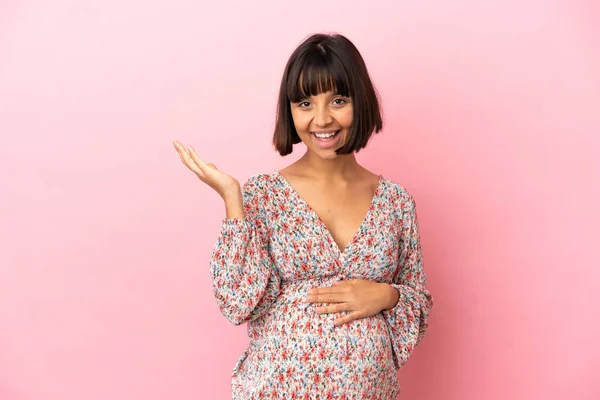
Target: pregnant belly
{"type": "Point", "coordinates": [296, 353]}
{"type": "Point", "coordinates": [292, 334]}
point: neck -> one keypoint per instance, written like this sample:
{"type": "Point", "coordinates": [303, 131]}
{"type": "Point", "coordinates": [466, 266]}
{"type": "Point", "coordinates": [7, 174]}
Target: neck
{"type": "Point", "coordinates": [343, 167]}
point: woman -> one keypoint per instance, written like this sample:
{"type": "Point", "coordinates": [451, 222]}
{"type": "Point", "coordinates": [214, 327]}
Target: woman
{"type": "Point", "coordinates": [322, 259]}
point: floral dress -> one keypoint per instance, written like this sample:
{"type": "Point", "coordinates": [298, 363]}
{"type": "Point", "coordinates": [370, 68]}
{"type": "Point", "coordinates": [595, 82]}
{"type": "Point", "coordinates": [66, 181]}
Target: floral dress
{"type": "Point", "coordinates": [262, 267]}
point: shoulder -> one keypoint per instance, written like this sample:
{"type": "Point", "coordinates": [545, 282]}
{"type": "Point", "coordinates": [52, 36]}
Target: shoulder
{"type": "Point", "coordinates": [259, 181]}
{"type": "Point", "coordinates": [258, 185]}
{"type": "Point", "coordinates": [400, 197]}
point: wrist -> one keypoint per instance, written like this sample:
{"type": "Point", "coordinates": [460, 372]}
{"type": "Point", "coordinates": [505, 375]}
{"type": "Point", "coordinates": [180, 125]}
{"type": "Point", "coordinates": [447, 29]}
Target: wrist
{"type": "Point", "coordinates": [392, 296]}
{"type": "Point", "coordinates": [234, 207]}
{"type": "Point", "coordinates": [232, 194]}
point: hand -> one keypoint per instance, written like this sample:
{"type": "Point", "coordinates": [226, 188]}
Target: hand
{"type": "Point", "coordinates": [224, 184]}
{"type": "Point", "coordinates": [365, 298]}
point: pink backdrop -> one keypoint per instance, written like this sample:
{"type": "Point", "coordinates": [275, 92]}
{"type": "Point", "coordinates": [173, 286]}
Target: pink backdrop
{"type": "Point", "coordinates": [492, 123]}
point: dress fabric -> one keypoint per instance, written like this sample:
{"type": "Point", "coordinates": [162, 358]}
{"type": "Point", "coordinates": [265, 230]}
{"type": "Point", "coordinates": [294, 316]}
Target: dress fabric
{"type": "Point", "coordinates": [262, 267]}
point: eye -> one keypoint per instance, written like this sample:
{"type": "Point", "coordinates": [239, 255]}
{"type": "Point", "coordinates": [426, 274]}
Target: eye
{"type": "Point", "coordinates": [303, 104]}
{"type": "Point", "coordinates": [339, 101]}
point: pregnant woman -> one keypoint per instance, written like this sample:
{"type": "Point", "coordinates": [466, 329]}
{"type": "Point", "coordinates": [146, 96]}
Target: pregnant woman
{"type": "Point", "coordinates": [321, 259]}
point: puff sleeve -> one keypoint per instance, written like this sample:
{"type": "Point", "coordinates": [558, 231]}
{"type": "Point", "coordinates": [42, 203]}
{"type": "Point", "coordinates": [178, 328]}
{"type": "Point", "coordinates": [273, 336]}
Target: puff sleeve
{"type": "Point", "coordinates": [408, 320]}
{"type": "Point", "coordinates": [245, 280]}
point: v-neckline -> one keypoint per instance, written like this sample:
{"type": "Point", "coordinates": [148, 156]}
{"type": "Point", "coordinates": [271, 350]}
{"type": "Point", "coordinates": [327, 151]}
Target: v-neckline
{"type": "Point", "coordinates": [340, 252]}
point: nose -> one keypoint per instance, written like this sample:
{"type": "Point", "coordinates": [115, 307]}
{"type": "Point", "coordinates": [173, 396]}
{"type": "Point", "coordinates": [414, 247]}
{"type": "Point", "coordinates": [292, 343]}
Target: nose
{"type": "Point", "coordinates": [323, 116]}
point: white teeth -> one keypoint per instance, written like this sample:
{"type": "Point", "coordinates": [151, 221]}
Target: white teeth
{"type": "Point", "coordinates": [325, 135]}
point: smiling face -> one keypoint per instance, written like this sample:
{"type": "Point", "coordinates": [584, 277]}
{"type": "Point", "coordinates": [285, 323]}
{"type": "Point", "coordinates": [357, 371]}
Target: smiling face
{"type": "Point", "coordinates": [326, 87]}
{"type": "Point", "coordinates": [323, 122]}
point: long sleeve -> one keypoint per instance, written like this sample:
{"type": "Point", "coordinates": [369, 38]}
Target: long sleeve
{"type": "Point", "coordinates": [408, 320]}
{"type": "Point", "coordinates": [245, 280]}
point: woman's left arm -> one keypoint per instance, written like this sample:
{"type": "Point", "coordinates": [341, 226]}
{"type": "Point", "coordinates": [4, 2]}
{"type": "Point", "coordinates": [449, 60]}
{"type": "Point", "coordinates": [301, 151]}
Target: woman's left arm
{"type": "Point", "coordinates": [409, 318]}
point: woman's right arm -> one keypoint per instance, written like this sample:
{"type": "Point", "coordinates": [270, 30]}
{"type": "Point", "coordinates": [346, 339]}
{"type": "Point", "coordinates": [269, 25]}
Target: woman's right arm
{"type": "Point", "coordinates": [245, 281]}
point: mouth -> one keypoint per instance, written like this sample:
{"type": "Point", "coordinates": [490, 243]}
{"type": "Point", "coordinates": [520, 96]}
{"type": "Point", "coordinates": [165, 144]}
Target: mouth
{"type": "Point", "coordinates": [326, 135]}
{"type": "Point", "coordinates": [326, 139]}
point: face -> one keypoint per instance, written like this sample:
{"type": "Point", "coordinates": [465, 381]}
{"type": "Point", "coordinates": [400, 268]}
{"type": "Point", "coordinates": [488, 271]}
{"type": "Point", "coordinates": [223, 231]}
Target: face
{"type": "Point", "coordinates": [323, 122]}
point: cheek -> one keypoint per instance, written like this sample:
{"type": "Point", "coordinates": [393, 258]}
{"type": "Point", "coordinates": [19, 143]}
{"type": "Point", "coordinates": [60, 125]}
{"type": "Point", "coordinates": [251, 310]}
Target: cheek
{"type": "Point", "coordinates": [300, 122]}
{"type": "Point", "coordinates": [345, 119]}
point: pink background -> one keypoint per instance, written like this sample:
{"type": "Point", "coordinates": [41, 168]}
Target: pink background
{"type": "Point", "coordinates": [492, 122]}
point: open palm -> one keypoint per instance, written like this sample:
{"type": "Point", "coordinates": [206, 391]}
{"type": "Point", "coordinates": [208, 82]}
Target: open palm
{"type": "Point", "coordinates": [208, 173]}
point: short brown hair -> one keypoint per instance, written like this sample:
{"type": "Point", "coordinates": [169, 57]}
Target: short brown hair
{"type": "Point", "coordinates": [327, 62]}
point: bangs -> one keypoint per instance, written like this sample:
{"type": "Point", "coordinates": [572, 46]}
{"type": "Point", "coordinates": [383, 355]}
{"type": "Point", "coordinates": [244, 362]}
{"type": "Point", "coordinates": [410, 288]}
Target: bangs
{"type": "Point", "coordinates": [317, 73]}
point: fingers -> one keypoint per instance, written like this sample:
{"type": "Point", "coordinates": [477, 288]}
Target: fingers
{"type": "Point", "coordinates": [341, 283]}
{"type": "Point", "coordinates": [329, 290]}
{"type": "Point", "coordinates": [334, 308]}
{"type": "Point", "coordinates": [328, 294]}
{"type": "Point", "coordinates": [348, 318]}
{"type": "Point", "coordinates": [183, 152]}
{"type": "Point", "coordinates": [180, 149]}
{"type": "Point", "coordinates": [328, 298]}
{"type": "Point", "coordinates": [191, 160]}
{"type": "Point", "coordinates": [203, 166]}
{"type": "Point", "coordinates": [337, 308]}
